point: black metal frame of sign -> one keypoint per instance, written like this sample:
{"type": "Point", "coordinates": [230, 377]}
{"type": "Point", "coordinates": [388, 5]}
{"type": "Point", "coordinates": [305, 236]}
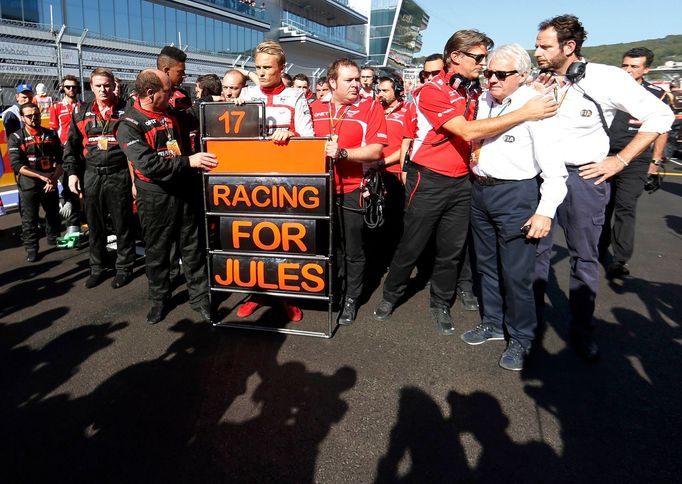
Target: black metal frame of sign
{"type": "Point", "coordinates": [266, 233]}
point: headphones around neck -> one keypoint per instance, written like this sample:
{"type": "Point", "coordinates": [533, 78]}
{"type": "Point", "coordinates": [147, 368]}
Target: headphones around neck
{"type": "Point", "coordinates": [576, 71]}
{"type": "Point", "coordinates": [458, 81]}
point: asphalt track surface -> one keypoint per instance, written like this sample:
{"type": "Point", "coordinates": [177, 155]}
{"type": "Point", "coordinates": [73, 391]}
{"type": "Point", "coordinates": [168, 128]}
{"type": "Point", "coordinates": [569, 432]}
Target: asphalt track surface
{"type": "Point", "coordinates": [90, 393]}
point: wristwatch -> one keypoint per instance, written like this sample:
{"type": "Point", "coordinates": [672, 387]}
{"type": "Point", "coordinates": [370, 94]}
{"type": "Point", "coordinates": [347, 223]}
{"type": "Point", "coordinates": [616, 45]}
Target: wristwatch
{"type": "Point", "coordinates": [343, 154]}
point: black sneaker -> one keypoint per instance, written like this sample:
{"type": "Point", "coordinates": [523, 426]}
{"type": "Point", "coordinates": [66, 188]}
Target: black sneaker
{"type": "Point", "coordinates": [52, 240]}
{"type": "Point", "coordinates": [617, 270]}
{"type": "Point", "coordinates": [482, 333]}
{"type": "Point", "coordinates": [121, 279]}
{"type": "Point", "coordinates": [514, 356]}
{"type": "Point", "coordinates": [444, 323]}
{"type": "Point", "coordinates": [348, 312]}
{"type": "Point", "coordinates": [468, 300]}
{"type": "Point", "coordinates": [31, 255]}
{"type": "Point", "coordinates": [383, 310]}
{"type": "Point", "coordinates": [95, 280]}
{"type": "Point", "coordinates": [205, 311]}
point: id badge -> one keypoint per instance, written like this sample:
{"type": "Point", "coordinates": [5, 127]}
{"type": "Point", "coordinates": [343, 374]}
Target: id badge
{"type": "Point", "coordinates": [45, 163]}
{"type": "Point", "coordinates": [334, 137]}
{"type": "Point", "coordinates": [102, 143]}
{"type": "Point", "coordinates": [173, 147]}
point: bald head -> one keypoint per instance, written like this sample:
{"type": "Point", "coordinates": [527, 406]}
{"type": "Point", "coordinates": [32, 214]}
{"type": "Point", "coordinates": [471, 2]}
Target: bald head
{"type": "Point", "coordinates": [153, 86]}
{"type": "Point", "coordinates": [233, 83]}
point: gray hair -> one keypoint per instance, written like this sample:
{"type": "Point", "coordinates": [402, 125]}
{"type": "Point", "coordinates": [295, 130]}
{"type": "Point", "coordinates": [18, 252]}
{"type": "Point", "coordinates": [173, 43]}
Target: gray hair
{"type": "Point", "coordinates": [516, 54]}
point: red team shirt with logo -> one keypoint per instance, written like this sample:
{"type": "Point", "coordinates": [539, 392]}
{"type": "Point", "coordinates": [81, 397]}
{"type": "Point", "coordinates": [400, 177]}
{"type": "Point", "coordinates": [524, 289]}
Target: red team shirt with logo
{"type": "Point", "coordinates": [435, 148]}
{"type": "Point", "coordinates": [362, 124]}
{"type": "Point", "coordinates": [401, 123]}
{"type": "Point", "coordinates": [60, 118]}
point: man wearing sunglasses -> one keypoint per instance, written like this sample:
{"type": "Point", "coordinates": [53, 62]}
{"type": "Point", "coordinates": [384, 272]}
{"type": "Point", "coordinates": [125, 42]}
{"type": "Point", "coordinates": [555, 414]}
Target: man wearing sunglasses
{"type": "Point", "coordinates": [589, 96]}
{"type": "Point", "coordinates": [60, 120]}
{"type": "Point", "coordinates": [35, 154]}
{"type": "Point", "coordinates": [507, 216]}
{"type": "Point", "coordinates": [438, 187]}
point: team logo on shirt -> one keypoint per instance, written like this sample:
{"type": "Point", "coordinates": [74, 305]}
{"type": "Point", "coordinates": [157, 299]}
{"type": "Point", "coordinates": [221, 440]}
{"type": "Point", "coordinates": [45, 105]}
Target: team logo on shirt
{"type": "Point", "coordinates": [508, 138]}
{"type": "Point", "coordinates": [586, 113]}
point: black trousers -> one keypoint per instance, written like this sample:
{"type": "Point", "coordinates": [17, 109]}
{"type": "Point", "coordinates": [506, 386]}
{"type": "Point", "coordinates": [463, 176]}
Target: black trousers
{"type": "Point", "coordinates": [619, 229]}
{"type": "Point", "coordinates": [168, 219]}
{"type": "Point", "coordinates": [505, 259]}
{"type": "Point", "coordinates": [109, 194]}
{"type": "Point", "coordinates": [439, 205]}
{"type": "Point", "coordinates": [349, 235]}
{"type": "Point", "coordinates": [31, 201]}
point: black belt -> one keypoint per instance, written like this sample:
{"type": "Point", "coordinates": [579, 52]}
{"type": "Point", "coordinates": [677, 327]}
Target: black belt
{"type": "Point", "coordinates": [105, 170]}
{"type": "Point", "coordinates": [489, 181]}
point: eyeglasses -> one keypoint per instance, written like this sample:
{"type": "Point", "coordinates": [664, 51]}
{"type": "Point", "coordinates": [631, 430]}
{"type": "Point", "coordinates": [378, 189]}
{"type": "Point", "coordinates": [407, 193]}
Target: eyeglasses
{"type": "Point", "coordinates": [430, 73]}
{"type": "Point", "coordinates": [32, 115]}
{"type": "Point", "coordinates": [70, 87]}
{"type": "Point", "coordinates": [476, 57]}
{"type": "Point", "coordinates": [501, 75]}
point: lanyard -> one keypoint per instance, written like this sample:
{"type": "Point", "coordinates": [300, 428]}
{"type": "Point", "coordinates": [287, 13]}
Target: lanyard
{"type": "Point", "coordinates": [556, 94]}
{"type": "Point", "coordinates": [504, 106]}
{"type": "Point", "coordinates": [169, 130]}
{"type": "Point", "coordinates": [332, 127]}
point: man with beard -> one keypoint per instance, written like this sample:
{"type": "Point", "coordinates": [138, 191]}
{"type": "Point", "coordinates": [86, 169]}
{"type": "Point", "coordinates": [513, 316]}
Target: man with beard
{"type": "Point", "coordinates": [401, 128]}
{"type": "Point", "coordinates": [36, 157]}
{"type": "Point", "coordinates": [589, 95]}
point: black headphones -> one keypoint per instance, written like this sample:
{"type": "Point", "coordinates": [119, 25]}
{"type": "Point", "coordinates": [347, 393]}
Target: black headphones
{"type": "Point", "coordinates": [576, 71]}
{"type": "Point", "coordinates": [398, 87]}
{"type": "Point", "coordinates": [458, 81]}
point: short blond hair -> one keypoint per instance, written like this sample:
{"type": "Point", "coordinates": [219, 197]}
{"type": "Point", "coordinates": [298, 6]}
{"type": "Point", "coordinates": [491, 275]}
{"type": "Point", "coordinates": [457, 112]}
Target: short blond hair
{"type": "Point", "coordinates": [272, 48]}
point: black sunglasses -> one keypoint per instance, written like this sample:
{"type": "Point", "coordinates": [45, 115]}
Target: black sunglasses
{"type": "Point", "coordinates": [476, 57]}
{"type": "Point", "coordinates": [70, 87]}
{"type": "Point", "coordinates": [430, 73]}
{"type": "Point", "coordinates": [501, 75]}
{"type": "Point", "coordinates": [32, 115]}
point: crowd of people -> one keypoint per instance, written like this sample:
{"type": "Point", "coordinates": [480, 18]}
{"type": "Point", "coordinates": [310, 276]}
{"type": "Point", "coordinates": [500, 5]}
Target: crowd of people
{"type": "Point", "coordinates": [477, 179]}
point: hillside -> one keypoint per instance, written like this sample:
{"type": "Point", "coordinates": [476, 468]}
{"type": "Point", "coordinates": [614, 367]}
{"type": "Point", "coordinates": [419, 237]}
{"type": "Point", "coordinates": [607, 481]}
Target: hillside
{"type": "Point", "coordinates": [666, 49]}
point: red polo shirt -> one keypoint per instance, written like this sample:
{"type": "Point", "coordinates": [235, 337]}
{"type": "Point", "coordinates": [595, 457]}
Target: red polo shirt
{"type": "Point", "coordinates": [401, 123]}
{"type": "Point", "coordinates": [359, 124]}
{"type": "Point", "coordinates": [435, 148]}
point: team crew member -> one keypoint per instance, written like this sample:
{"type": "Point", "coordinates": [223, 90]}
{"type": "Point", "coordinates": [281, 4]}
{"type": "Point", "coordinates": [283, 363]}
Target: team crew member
{"type": "Point", "coordinates": [401, 128]}
{"type": "Point", "coordinates": [367, 81]}
{"type": "Point", "coordinates": [35, 154]}
{"type": "Point", "coordinates": [504, 199]}
{"type": "Point", "coordinates": [92, 148]}
{"type": "Point", "coordinates": [233, 83]}
{"type": "Point", "coordinates": [60, 120]}
{"type": "Point", "coordinates": [301, 81]}
{"type": "Point", "coordinates": [627, 186]}
{"type": "Point", "coordinates": [585, 92]}
{"type": "Point", "coordinates": [171, 60]}
{"type": "Point", "coordinates": [357, 130]}
{"type": "Point", "coordinates": [288, 115]}
{"type": "Point", "coordinates": [321, 88]}
{"type": "Point", "coordinates": [438, 186]}
{"type": "Point", "coordinates": [150, 138]}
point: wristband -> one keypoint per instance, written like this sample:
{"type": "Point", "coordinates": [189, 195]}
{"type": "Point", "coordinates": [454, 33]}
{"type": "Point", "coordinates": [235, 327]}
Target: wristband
{"type": "Point", "coordinates": [625, 163]}
{"type": "Point", "coordinates": [658, 162]}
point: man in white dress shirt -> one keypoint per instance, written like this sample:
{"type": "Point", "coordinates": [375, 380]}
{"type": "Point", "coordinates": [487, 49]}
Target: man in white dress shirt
{"type": "Point", "coordinates": [508, 213]}
{"type": "Point", "coordinates": [589, 95]}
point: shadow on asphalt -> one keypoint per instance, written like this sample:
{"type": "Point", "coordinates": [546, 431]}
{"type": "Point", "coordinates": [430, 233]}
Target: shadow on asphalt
{"type": "Point", "coordinates": [166, 419]}
{"type": "Point", "coordinates": [674, 223]}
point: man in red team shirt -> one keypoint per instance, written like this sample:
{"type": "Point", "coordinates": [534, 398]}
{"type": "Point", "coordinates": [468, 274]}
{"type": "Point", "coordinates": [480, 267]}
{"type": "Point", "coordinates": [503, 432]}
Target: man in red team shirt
{"type": "Point", "coordinates": [356, 128]}
{"type": "Point", "coordinates": [60, 120]}
{"type": "Point", "coordinates": [401, 126]}
{"type": "Point", "coordinates": [438, 189]}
